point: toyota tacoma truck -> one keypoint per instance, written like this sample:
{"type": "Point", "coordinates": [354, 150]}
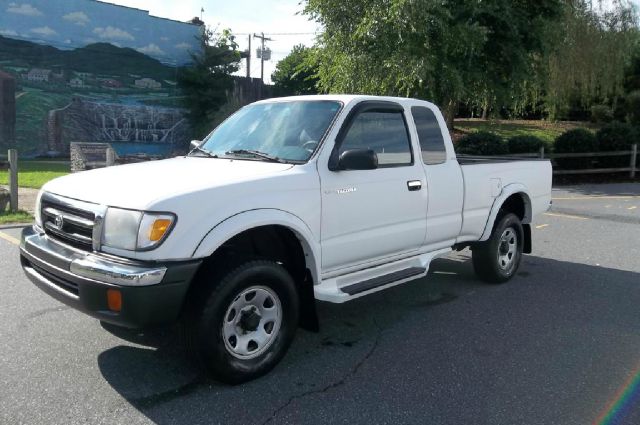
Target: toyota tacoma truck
{"type": "Point", "coordinates": [288, 202]}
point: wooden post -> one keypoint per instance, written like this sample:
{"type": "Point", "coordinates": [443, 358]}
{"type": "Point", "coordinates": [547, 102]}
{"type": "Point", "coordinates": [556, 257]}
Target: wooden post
{"type": "Point", "coordinates": [111, 157]}
{"type": "Point", "coordinates": [13, 179]}
{"type": "Point", "coordinates": [542, 152]}
{"type": "Point", "coordinates": [634, 158]}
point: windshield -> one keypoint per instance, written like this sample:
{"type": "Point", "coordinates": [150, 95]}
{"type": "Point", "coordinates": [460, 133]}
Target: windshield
{"type": "Point", "coordinates": [284, 131]}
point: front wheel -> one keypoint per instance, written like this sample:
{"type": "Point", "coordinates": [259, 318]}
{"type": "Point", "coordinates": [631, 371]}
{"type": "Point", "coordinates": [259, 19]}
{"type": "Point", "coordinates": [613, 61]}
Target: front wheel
{"type": "Point", "coordinates": [247, 323]}
{"type": "Point", "coordinates": [497, 259]}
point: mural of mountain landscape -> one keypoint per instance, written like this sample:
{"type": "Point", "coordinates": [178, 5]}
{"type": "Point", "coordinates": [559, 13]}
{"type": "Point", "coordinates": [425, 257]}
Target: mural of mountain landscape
{"type": "Point", "coordinates": [96, 74]}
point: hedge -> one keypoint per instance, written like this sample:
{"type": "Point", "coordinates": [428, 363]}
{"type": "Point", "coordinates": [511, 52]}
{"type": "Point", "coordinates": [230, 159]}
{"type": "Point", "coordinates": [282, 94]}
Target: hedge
{"type": "Point", "coordinates": [482, 143]}
{"type": "Point", "coordinates": [526, 144]}
{"type": "Point", "coordinates": [576, 141]}
{"type": "Point", "coordinates": [616, 137]}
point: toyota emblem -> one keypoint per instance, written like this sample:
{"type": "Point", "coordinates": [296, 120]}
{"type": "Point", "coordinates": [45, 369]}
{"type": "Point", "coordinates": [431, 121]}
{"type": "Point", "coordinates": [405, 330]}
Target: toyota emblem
{"type": "Point", "coordinates": [59, 222]}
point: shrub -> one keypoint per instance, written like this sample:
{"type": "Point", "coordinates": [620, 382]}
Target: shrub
{"type": "Point", "coordinates": [616, 137]}
{"type": "Point", "coordinates": [575, 141]}
{"type": "Point", "coordinates": [633, 108]}
{"type": "Point", "coordinates": [601, 114]}
{"type": "Point", "coordinates": [620, 110]}
{"type": "Point", "coordinates": [526, 144]}
{"type": "Point", "coordinates": [482, 143]}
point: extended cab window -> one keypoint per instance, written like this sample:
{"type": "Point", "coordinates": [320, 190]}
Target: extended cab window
{"type": "Point", "coordinates": [384, 132]}
{"type": "Point", "coordinates": [430, 135]}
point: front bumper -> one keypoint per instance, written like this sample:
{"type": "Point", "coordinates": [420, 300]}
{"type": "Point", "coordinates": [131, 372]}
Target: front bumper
{"type": "Point", "coordinates": [152, 293]}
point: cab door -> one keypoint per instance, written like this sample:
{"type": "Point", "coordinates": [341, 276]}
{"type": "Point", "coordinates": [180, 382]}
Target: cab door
{"type": "Point", "coordinates": [372, 214]}
{"type": "Point", "coordinates": [444, 179]}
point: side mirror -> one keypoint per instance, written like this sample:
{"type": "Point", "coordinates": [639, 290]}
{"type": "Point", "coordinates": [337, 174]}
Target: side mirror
{"type": "Point", "coordinates": [358, 159]}
{"type": "Point", "coordinates": [194, 144]}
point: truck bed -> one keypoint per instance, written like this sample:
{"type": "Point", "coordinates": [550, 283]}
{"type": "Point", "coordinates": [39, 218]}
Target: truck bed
{"type": "Point", "coordinates": [485, 178]}
{"type": "Point", "coordinates": [475, 159]}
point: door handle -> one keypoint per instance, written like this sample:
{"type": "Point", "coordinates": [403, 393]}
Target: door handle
{"type": "Point", "coordinates": [414, 185]}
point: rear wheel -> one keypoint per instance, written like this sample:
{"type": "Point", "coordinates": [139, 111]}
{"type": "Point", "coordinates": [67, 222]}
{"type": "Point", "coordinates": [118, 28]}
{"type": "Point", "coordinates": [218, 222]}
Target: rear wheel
{"type": "Point", "coordinates": [497, 259]}
{"type": "Point", "coordinates": [247, 323]}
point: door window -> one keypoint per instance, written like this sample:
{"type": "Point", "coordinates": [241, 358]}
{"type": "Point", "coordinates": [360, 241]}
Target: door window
{"type": "Point", "coordinates": [385, 133]}
{"type": "Point", "coordinates": [430, 135]}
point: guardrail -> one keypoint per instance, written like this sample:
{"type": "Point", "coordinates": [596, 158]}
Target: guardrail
{"type": "Point", "coordinates": [631, 169]}
{"type": "Point", "coordinates": [11, 164]}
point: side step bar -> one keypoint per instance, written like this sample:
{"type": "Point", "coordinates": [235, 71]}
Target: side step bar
{"type": "Point", "coordinates": [367, 285]}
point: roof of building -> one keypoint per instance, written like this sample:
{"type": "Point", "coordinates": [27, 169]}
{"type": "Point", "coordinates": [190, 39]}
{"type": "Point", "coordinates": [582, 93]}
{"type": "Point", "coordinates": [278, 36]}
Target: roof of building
{"type": "Point", "coordinates": [141, 10]}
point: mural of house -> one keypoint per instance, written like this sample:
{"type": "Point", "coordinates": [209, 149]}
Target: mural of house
{"type": "Point", "coordinates": [57, 76]}
{"type": "Point", "coordinates": [111, 83]}
{"type": "Point", "coordinates": [37, 74]}
{"type": "Point", "coordinates": [76, 83]}
{"type": "Point", "coordinates": [147, 83]}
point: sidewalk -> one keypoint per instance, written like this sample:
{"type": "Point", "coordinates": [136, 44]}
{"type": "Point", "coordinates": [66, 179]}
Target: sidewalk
{"type": "Point", "coordinates": [26, 198]}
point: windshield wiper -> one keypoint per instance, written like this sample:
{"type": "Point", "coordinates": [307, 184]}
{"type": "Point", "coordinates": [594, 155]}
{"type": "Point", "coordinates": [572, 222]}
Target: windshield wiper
{"type": "Point", "coordinates": [204, 151]}
{"type": "Point", "coordinates": [257, 154]}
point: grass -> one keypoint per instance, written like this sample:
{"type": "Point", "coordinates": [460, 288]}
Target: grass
{"type": "Point", "coordinates": [545, 130]}
{"type": "Point", "coordinates": [19, 217]}
{"type": "Point", "coordinates": [35, 174]}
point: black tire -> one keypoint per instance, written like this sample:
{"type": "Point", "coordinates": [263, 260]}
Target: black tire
{"type": "Point", "coordinates": [206, 335]}
{"type": "Point", "coordinates": [493, 260]}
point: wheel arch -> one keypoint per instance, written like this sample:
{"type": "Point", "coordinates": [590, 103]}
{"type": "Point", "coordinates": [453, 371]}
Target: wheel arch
{"type": "Point", "coordinates": [272, 234]}
{"type": "Point", "coordinates": [513, 198]}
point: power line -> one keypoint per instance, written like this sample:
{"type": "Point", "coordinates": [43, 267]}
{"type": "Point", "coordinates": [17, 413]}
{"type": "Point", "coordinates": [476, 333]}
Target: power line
{"type": "Point", "coordinates": [262, 52]}
{"type": "Point", "coordinates": [292, 33]}
{"type": "Point", "coordinates": [272, 33]}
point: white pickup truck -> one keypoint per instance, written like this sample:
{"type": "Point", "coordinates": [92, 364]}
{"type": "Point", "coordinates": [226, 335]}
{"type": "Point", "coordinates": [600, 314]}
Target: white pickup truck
{"type": "Point", "coordinates": [289, 201]}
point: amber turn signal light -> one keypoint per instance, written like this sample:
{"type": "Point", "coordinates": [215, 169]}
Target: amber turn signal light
{"type": "Point", "coordinates": [114, 300]}
{"type": "Point", "coordinates": [159, 228]}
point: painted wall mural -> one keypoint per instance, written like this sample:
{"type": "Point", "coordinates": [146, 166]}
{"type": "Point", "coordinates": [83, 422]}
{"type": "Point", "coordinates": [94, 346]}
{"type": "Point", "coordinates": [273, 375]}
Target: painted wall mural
{"type": "Point", "coordinates": [89, 71]}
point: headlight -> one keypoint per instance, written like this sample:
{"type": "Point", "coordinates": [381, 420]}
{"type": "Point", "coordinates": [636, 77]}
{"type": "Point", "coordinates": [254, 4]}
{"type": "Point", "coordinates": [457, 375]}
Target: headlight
{"type": "Point", "coordinates": [135, 230]}
{"type": "Point", "coordinates": [38, 212]}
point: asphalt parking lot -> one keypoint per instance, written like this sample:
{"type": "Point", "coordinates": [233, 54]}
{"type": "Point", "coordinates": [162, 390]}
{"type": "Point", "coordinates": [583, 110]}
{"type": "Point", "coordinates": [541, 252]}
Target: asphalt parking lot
{"type": "Point", "coordinates": [559, 344]}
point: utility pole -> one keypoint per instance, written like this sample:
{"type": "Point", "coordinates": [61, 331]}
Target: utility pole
{"type": "Point", "coordinates": [263, 38]}
{"type": "Point", "coordinates": [249, 59]}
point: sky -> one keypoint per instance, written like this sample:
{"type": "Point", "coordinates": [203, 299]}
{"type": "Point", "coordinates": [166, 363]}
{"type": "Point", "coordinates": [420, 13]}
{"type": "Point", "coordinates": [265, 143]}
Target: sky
{"type": "Point", "coordinates": [71, 24]}
{"type": "Point", "coordinates": [278, 19]}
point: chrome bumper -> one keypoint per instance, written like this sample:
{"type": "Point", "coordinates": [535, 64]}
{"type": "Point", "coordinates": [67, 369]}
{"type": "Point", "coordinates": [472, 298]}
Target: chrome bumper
{"type": "Point", "coordinates": [72, 262]}
{"type": "Point", "coordinates": [152, 294]}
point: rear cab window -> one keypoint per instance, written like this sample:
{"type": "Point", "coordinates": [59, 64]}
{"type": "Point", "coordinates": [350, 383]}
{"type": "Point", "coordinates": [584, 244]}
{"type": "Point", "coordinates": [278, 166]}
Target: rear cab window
{"type": "Point", "coordinates": [430, 135]}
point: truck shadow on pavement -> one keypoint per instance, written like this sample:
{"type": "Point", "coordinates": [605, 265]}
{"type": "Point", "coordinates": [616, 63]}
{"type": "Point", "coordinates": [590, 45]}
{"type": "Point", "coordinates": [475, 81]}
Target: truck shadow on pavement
{"type": "Point", "coordinates": [430, 346]}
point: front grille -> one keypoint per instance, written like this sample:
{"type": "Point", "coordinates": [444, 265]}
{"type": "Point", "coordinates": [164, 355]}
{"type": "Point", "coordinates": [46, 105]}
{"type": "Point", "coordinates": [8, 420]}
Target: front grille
{"type": "Point", "coordinates": [70, 225]}
{"type": "Point", "coordinates": [60, 283]}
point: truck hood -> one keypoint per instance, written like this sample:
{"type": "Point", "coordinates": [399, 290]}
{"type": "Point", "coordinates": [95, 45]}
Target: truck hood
{"type": "Point", "coordinates": [139, 186]}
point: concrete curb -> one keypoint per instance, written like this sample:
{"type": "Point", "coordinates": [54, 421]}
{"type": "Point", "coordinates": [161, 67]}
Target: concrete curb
{"type": "Point", "coordinates": [14, 226]}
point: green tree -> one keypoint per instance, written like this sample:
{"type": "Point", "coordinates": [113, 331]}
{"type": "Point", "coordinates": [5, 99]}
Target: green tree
{"type": "Point", "coordinates": [594, 49]}
{"type": "Point", "coordinates": [205, 84]}
{"type": "Point", "coordinates": [445, 51]}
{"type": "Point", "coordinates": [296, 74]}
